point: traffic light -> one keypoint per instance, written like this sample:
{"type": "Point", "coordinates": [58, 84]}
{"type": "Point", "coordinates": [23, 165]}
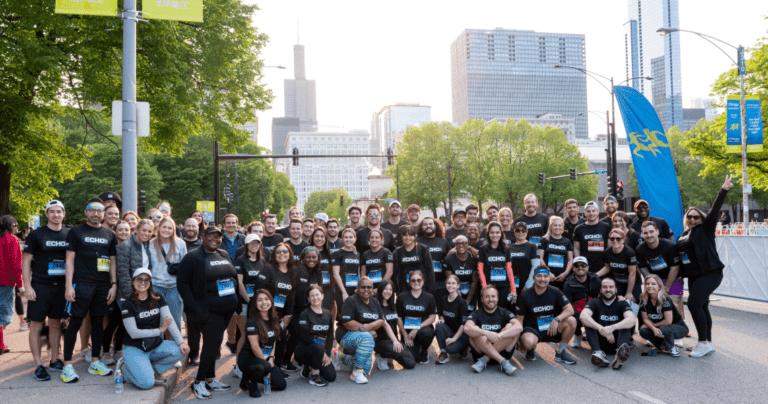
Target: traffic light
{"type": "Point", "coordinates": [227, 194]}
{"type": "Point", "coordinates": [390, 160]}
{"type": "Point", "coordinates": [142, 198]}
{"type": "Point", "coordinates": [609, 181]}
{"type": "Point", "coordinates": [573, 173]}
{"type": "Point", "coordinates": [620, 190]}
{"type": "Point", "coordinates": [541, 178]}
{"type": "Point", "coordinates": [341, 200]}
{"type": "Point", "coordinates": [296, 159]}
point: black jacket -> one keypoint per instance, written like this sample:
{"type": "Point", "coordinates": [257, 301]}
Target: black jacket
{"type": "Point", "coordinates": [191, 284]}
{"type": "Point", "coordinates": [575, 291]}
{"type": "Point", "coordinates": [702, 237]}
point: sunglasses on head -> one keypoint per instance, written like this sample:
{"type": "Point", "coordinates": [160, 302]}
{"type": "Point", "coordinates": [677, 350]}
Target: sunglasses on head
{"type": "Point", "coordinates": [155, 217]}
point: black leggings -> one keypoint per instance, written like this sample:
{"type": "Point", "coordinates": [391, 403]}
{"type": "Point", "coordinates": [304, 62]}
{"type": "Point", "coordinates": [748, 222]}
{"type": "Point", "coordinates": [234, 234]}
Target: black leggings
{"type": "Point", "coordinates": [213, 334]}
{"type": "Point", "coordinates": [671, 333]}
{"type": "Point", "coordinates": [312, 356]}
{"type": "Point", "coordinates": [97, 336]}
{"type": "Point", "coordinates": [423, 340]}
{"type": "Point", "coordinates": [385, 350]}
{"type": "Point", "coordinates": [115, 324]}
{"type": "Point", "coordinates": [284, 356]}
{"type": "Point", "coordinates": [699, 290]}
{"type": "Point", "coordinates": [255, 369]}
{"type": "Point", "coordinates": [598, 342]}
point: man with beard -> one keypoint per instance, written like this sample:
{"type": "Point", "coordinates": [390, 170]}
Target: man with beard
{"type": "Point", "coordinates": [431, 236]}
{"type": "Point", "coordinates": [373, 216]}
{"type": "Point", "coordinates": [580, 287]}
{"type": "Point", "coordinates": [395, 221]}
{"type": "Point", "coordinates": [609, 323]}
{"type": "Point", "coordinates": [493, 333]}
{"type": "Point", "coordinates": [192, 234]}
{"type": "Point", "coordinates": [307, 226]}
{"type": "Point", "coordinates": [536, 223]}
{"type": "Point", "coordinates": [459, 219]}
{"type": "Point", "coordinates": [270, 238]}
{"type": "Point", "coordinates": [611, 206]}
{"type": "Point", "coordinates": [590, 239]}
{"type": "Point", "coordinates": [643, 213]}
{"type": "Point", "coordinates": [334, 242]}
{"type": "Point", "coordinates": [413, 214]}
{"type": "Point", "coordinates": [572, 218]}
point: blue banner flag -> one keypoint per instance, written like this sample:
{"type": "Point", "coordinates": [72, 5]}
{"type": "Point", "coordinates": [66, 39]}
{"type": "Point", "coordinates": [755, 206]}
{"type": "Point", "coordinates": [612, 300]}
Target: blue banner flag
{"type": "Point", "coordinates": [754, 124]}
{"type": "Point", "coordinates": [733, 124]}
{"type": "Point", "coordinates": [654, 169]}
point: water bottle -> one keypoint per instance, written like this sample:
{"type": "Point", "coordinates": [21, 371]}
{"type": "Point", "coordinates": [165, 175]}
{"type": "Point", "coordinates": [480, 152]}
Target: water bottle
{"type": "Point", "coordinates": [118, 381]}
{"type": "Point", "coordinates": [268, 384]}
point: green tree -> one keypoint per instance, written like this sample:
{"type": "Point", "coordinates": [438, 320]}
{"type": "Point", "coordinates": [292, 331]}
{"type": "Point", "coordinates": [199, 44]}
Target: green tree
{"type": "Point", "coordinates": [197, 78]}
{"type": "Point", "coordinates": [478, 155]}
{"type": "Point", "coordinates": [319, 200]}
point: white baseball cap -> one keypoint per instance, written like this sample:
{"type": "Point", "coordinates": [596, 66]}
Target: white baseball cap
{"type": "Point", "coordinates": [53, 203]}
{"type": "Point", "coordinates": [142, 271]}
{"type": "Point", "coordinates": [252, 237]}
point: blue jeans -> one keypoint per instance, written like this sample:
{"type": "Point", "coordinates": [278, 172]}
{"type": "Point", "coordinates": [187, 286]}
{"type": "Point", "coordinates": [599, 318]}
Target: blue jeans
{"type": "Point", "coordinates": [7, 297]}
{"type": "Point", "coordinates": [175, 304]}
{"type": "Point", "coordinates": [138, 367]}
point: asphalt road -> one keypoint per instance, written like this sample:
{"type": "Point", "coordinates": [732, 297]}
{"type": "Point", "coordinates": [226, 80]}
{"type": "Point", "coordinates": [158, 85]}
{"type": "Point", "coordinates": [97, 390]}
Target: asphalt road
{"type": "Point", "coordinates": [736, 373]}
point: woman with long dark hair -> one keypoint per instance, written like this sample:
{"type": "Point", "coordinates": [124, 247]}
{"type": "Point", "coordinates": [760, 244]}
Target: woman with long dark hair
{"type": "Point", "coordinates": [323, 276]}
{"type": "Point", "coordinates": [257, 358]}
{"type": "Point", "coordinates": [388, 345]}
{"type": "Point", "coordinates": [248, 266]}
{"type": "Point", "coordinates": [494, 265]}
{"type": "Point", "coordinates": [316, 331]}
{"type": "Point", "coordinates": [280, 278]}
{"type": "Point", "coordinates": [412, 256]}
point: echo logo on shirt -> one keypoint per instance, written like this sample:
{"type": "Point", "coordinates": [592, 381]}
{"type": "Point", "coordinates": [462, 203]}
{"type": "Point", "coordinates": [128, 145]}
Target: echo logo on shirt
{"type": "Point", "coordinates": [533, 226]}
{"type": "Point", "coordinates": [410, 259]}
{"type": "Point", "coordinates": [609, 318]}
{"type": "Point", "coordinates": [593, 237]}
{"type": "Point", "coordinates": [51, 243]}
{"type": "Point", "coordinates": [390, 317]}
{"type": "Point", "coordinates": [516, 255]}
{"type": "Point", "coordinates": [287, 286]}
{"type": "Point", "coordinates": [496, 259]}
{"type": "Point", "coordinates": [371, 315]}
{"type": "Point", "coordinates": [490, 327]}
{"type": "Point", "coordinates": [96, 240]}
{"type": "Point", "coordinates": [148, 313]}
{"type": "Point", "coordinates": [449, 314]}
{"type": "Point", "coordinates": [543, 308]}
{"type": "Point", "coordinates": [414, 308]}
{"type": "Point", "coordinates": [557, 247]}
{"type": "Point", "coordinates": [618, 265]}
{"type": "Point", "coordinates": [215, 263]}
{"type": "Point", "coordinates": [435, 249]}
{"type": "Point", "coordinates": [320, 328]}
{"type": "Point", "coordinates": [370, 262]}
{"type": "Point", "coordinates": [463, 272]}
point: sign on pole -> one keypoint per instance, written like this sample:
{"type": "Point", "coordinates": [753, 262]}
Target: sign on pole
{"type": "Point", "coordinates": [184, 10]}
{"type": "Point", "coordinates": [34, 221]}
{"type": "Point", "coordinates": [733, 124]}
{"type": "Point", "coordinates": [754, 124]}
{"type": "Point", "coordinates": [208, 208]}
{"type": "Point", "coordinates": [601, 171]}
{"type": "Point", "coordinates": [142, 118]}
{"type": "Point", "coordinates": [87, 7]}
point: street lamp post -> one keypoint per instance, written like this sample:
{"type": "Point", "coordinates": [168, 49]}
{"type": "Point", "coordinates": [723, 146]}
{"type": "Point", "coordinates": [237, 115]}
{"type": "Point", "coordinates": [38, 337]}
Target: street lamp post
{"type": "Point", "coordinates": [740, 65]}
{"type": "Point", "coordinates": [450, 199]}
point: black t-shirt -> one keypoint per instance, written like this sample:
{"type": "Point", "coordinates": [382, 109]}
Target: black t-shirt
{"type": "Point", "coordinates": [556, 253]}
{"type": "Point", "coordinates": [297, 249]}
{"type": "Point", "coordinates": [362, 244]}
{"type": "Point", "coordinates": [686, 253]}
{"type": "Point", "coordinates": [438, 249]}
{"type": "Point", "coordinates": [608, 315]}
{"type": "Point", "coordinates": [222, 283]}
{"type": "Point", "coordinates": [390, 316]}
{"type": "Point", "coordinates": [302, 285]}
{"type": "Point", "coordinates": [569, 227]}
{"type": "Point", "coordinates": [451, 233]}
{"type": "Point", "coordinates": [146, 318]}
{"type": "Point", "coordinates": [326, 271]}
{"type": "Point", "coordinates": [407, 261]}
{"type": "Point", "coordinates": [521, 256]}
{"type": "Point", "coordinates": [252, 328]}
{"type": "Point", "coordinates": [394, 229]}
{"type": "Point", "coordinates": [619, 263]}
{"type": "Point", "coordinates": [655, 316]}
{"type": "Point", "coordinates": [335, 245]}
{"type": "Point", "coordinates": [464, 270]}
{"type": "Point", "coordinates": [349, 263]}
{"type": "Point", "coordinates": [355, 309]}
{"type": "Point", "coordinates": [538, 310]}
{"type": "Point", "coordinates": [495, 321]}
{"type": "Point", "coordinates": [316, 328]}
{"type": "Point", "coordinates": [657, 261]}
{"type": "Point", "coordinates": [414, 310]}
{"type": "Point", "coordinates": [250, 271]}
{"type": "Point", "coordinates": [454, 313]}
{"type": "Point", "coordinates": [285, 232]}
{"type": "Point", "coordinates": [49, 254]}
{"type": "Point", "coordinates": [93, 248]}
{"type": "Point", "coordinates": [494, 262]}
{"type": "Point", "coordinates": [268, 243]}
{"type": "Point", "coordinates": [633, 240]}
{"type": "Point", "coordinates": [537, 226]}
{"type": "Point", "coordinates": [375, 264]}
{"type": "Point", "coordinates": [593, 241]}
{"type": "Point", "coordinates": [664, 230]}
{"type": "Point", "coordinates": [281, 286]}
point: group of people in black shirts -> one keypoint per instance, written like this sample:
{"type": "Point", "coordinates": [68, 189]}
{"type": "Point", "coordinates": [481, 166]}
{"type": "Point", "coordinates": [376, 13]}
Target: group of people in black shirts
{"type": "Point", "coordinates": [321, 297]}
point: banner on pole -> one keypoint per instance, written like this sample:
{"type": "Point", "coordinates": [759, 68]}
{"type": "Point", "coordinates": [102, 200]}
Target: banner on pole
{"type": "Point", "coordinates": [184, 10]}
{"type": "Point", "coordinates": [208, 208]}
{"type": "Point", "coordinates": [754, 124]}
{"type": "Point", "coordinates": [87, 7]}
{"type": "Point", "coordinates": [733, 124]}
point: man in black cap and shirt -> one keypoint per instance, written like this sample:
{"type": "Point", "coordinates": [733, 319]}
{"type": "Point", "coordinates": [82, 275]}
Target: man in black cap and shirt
{"type": "Point", "coordinates": [459, 219]}
{"type": "Point", "coordinates": [609, 323]}
{"type": "Point", "coordinates": [611, 206]}
{"type": "Point", "coordinates": [395, 221]}
{"type": "Point", "coordinates": [643, 213]}
{"type": "Point", "coordinates": [537, 223]}
{"type": "Point", "coordinates": [590, 240]}
{"type": "Point", "coordinates": [110, 198]}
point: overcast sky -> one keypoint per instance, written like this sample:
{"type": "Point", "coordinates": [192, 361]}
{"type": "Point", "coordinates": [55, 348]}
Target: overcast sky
{"type": "Point", "coordinates": [364, 55]}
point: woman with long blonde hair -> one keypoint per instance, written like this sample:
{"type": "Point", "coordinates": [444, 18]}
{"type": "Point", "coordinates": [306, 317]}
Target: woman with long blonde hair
{"type": "Point", "coordinates": [661, 323]}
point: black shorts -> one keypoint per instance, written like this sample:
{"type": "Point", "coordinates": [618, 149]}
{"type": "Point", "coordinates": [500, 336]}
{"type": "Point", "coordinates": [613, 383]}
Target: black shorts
{"type": "Point", "coordinates": [543, 336]}
{"type": "Point", "coordinates": [49, 302]}
{"type": "Point", "coordinates": [89, 298]}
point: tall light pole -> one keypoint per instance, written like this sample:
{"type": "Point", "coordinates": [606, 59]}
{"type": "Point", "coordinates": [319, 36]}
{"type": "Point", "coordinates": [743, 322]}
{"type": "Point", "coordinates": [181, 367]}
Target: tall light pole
{"type": "Point", "coordinates": [741, 66]}
{"type": "Point", "coordinates": [450, 199]}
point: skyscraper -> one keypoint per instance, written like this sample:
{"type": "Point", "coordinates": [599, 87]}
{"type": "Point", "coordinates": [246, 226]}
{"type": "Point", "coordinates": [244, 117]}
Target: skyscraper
{"type": "Point", "coordinates": [649, 54]}
{"type": "Point", "coordinates": [503, 73]}
{"type": "Point", "coordinates": [391, 120]}
{"type": "Point", "coordinates": [300, 96]}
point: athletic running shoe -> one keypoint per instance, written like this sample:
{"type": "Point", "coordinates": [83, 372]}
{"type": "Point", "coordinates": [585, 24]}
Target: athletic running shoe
{"type": "Point", "coordinates": [442, 359]}
{"type": "Point", "coordinates": [41, 374]}
{"type": "Point", "coordinates": [565, 357]}
{"type": "Point", "coordinates": [305, 372]}
{"type": "Point", "coordinates": [98, 368]}
{"type": "Point", "coordinates": [194, 361]}
{"type": "Point", "coordinates": [621, 356]}
{"type": "Point", "coordinates": [336, 359]}
{"type": "Point", "coordinates": [424, 358]}
{"type": "Point", "coordinates": [507, 368]}
{"type": "Point", "coordinates": [358, 376]}
{"type": "Point", "coordinates": [232, 348]}
{"type": "Point", "coordinates": [56, 366]}
{"type": "Point", "coordinates": [577, 342]}
{"type": "Point", "coordinates": [599, 359]}
{"type": "Point", "coordinates": [289, 367]}
{"type": "Point", "coordinates": [702, 349]}
{"type": "Point", "coordinates": [711, 346]}
{"type": "Point", "coordinates": [679, 343]}
{"type": "Point", "coordinates": [23, 326]}
{"type": "Point", "coordinates": [200, 390]}
{"type": "Point", "coordinates": [216, 385]}
{"type": "Point", "coordinates": [68, 375]}
{"type": "Point", "coordinates": [253, 390]}
{"type": "Point", "coordinates": [107, 360]}
{"type": "Point", "coordinates": [530, 355]}
{"type": "Point", "coordinates": [237, 373]}
{"type": "Point", "coordinates": [317, 380]}
{"type": "Point", "coordinates": [86, 353]}
{"type": "Point", "coordinates": [674, 352]}
{"type": "Point", "coordinates": [480, 365]}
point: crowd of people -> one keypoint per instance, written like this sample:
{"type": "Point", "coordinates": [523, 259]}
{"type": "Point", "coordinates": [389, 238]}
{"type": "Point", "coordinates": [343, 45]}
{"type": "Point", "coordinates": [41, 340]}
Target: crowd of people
{"type": "Point", "coordinates": [317, 297]}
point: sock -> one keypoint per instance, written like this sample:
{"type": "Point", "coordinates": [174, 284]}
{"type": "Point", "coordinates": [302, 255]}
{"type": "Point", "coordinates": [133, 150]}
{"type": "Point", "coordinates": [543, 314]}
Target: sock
{"type": "Point", "coordinates": [563, 345]}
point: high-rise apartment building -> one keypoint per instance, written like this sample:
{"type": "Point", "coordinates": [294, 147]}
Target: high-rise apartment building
{"type": "Point", "coordinates": [391, 121]}
{"type": "Point", "coordinates": [503, 73]}
{"type": "Point", "coordinates": [649, 54]}
{"type": "Point", "coordinates": [300, 95]}
{"type": "Point", "coordinates": [710, 110]}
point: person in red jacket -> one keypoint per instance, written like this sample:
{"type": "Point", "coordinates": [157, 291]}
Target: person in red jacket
{"type": "Point", "coordinates": [10, 272]}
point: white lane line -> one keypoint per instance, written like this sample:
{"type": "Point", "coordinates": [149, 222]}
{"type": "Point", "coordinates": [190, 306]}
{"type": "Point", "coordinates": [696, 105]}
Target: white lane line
{"type": "Point", "coordinates": [647, 397]}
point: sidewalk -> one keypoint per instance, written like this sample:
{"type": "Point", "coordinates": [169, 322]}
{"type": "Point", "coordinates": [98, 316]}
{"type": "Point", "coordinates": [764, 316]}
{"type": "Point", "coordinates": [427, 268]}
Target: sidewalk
{"type": "Point", "coordinates": [17, 384]}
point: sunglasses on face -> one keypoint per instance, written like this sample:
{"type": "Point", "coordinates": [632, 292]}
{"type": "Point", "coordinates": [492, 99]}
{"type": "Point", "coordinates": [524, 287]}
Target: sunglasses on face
{"type": "Point", "coordinates": [521, 230]}
{"type": "Point", "coordinates": [693, 217]}
{"type": "Point", "coordinates": [579, 266]}
{"type": "Point", "coordinates": [281, 251]}
{"type": "Point", "coordinates": [143, 280]}
{"type": "Point", "coordinates": [373, 215]}
{"type": "Point", "coordinates": [364, 287]}
{"type": "Point", "coordinates": [417, 280]}
{"type": "Point", "coordinates": [616, 239]}
{"type": "Point", "coordinates": [155, 217]}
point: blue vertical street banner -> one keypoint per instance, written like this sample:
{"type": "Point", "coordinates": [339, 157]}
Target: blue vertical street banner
{"type": "Point", "coordinates": [652, 159]}
{"type": "Point", "coordinates": [733, 124]}
{"type": "Point", "coordinates": [754, 124]}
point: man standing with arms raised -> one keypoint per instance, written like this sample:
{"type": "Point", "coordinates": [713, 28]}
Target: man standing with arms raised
{"type": "Point", "coordinates": [536, 223]}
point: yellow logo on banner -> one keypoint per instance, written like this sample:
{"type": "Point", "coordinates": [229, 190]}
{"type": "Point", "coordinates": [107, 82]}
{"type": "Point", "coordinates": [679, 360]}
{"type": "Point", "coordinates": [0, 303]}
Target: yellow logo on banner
{"type": "Point", "coordinates": [87, 7]}
{"type": "Point", "coordinates": [176, 10]}
{"type": "Point", "coordinates": [208, 208]}
{"type": "Point", "coordinates": [647, 141]}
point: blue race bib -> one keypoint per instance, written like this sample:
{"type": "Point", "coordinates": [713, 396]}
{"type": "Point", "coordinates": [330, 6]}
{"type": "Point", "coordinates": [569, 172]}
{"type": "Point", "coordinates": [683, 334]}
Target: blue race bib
{"type": "Point", "coordinates": [249, 290]}
{"type": "Point", "coordinates": [226, 287]}
{"type": "Point", "coordinates": [544, 323]}
{"type": "Point", "coordinates": [498, 275]}
{"type": "Point", "coordinates": [56, 267]}
{"type": "Point", "coordinates": [438, 266]}
{"type": "Point", "coordinates": [280, 301]}
{"type": "Point", "coordinates": [350, 280]}
{"type": "Point", "coordinates": [658, 264]}
{"type": "Point", "coordinates": [517, 283]}
{"type": "Point", "coordinates": [464, 288]}
{"type": "Point", "coordinates": [685, 260]}
{"type": "Point", "coordinates": [412, 323]}
{"type": "Point", "coordinates": [556, 261]}
{"type": "Point", "coordinates": [535, 240]}
{"type": "Point", "coordinates": [326, 278]}
{"type": "Point", "coordinates": [375, 276]}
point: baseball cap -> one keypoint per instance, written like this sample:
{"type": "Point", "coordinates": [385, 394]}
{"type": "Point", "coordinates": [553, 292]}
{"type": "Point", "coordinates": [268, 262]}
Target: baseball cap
{"type": "Point", "coordinates": [581, 259]}
{"type": "Point", "coordinates": [252, 237]}
{"type": "Point", "coordinates": [610, 198]}
{"type": "Point", "coordinates": [395, 201]}
{"type": "Point", "coordinates": [140, 271]}
{"type": "Point", "coordinates": [107, 195]}
{"type": "Point", "coordinates": [322, 216]}
{"type": "Point", "coordinates": [592, 204]}
{"type": "Point", "coordinates": [53, 203]}
{"type": "Point", "coordinates": [212, 229]}
{"type": "Point", "coordinates": [520, 224]}
{"type": "Point", "coordinates": [413, 206]}
{"type": "Point", "coordinates": [640, 202]}
{"type": "Point", "coordinates": [459, 211]}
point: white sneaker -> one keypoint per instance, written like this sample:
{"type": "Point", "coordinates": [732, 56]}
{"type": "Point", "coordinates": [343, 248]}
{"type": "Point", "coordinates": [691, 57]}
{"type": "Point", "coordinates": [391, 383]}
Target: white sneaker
{"type": "Point", "coordinates": [107, 361]}
{"type": "Point", "coordinates": [577, 342]}
{"type": "Point", "coordinates": [237, 373]}
{"type": "Point", "coordinates": [200, 390]}
{"type": "Point", "coordinates": [679, 343]}
{"type": "Point", "coordinates": [358, 377]}
{"type": "Point", "coordinates": [702, 349]}
{"type": "Point", "coordinates": [177, 365]}
{"type": "Point", "coordinates": [711, 346]}
{"type": "Point", "coordinates": [382, 363]}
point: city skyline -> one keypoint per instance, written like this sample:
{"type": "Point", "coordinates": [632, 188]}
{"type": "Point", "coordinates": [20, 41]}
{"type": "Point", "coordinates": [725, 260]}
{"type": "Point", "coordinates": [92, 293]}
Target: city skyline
{"type": "Point", "coordinates": [361, 64]}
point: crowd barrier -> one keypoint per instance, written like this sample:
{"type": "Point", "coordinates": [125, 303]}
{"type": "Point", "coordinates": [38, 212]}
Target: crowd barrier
{"type": "Point", "coordinates": [743, 229]}
{"type": "Point", "coordinates": [746, 263]}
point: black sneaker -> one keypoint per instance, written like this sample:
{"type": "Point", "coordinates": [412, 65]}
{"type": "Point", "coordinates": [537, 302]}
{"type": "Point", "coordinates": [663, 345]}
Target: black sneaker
{"type": "Point", "coordinates": [565, 357]}
{"type": "Point", "coordinates": [530, 355]}
{"type": "Point", "coordinates": [424, 358]}
{"type": "Point", "coordinates": [305, 371]}
{"type": "Point", "coordinates": [194, 361]}
{"type": "Point", "coordinates": [253, 390]}
{"type": "Point", "coordinates": [56, 366]}
{"type": "Point", "coordinates": [317, 380]}
{"type": "Point", "coordinates": [289, 367]}
{"type": "Point", "coordinates": [41, 374]}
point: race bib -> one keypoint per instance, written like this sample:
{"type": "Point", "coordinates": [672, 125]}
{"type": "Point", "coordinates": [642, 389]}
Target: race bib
{"type": "Point", "coordinates": [544, 323]}
{"type": "Point", "coordinates": [350, 280]}
{"type": "Point", "coordinates": [470, 307]}
{"type": "Point", "coordinates": [266, 351]}
{"type": "Point", "coordinates": [685, 259]}
{"type": "Point", "coordinates": [56, 267]}
{"type": "Point", "coordinates": [535, 240]}
{"type": "Point", "coordinates": [102, 264]}
{"type": "Point", "coordinates": [326, 278]}
{"type": "Point", "coordinates": [412, 323]}
{"type": "Point", "coordinates": [375, 276]}
{"type": "Point", "coordinates": [464, 288]}
{"type": "Point", "coordinates": [595, 245]}
{"type": "Point", "coordinates": [226, 287]}
{"type": "Point", "coordinates": [249, 290]}
{"type": "Point", "coordinates": [556, 261]}
{"type": "Point", "coordinates": [319, 341]}
{"type": "Point", "coordinates": [498, 275]}
{"type": "Point", "coordinates": [658, 264]}
{"type": "Point", "coordinates": [438, 266]}
{"type": "Point", "coordinates": [280, 301]}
